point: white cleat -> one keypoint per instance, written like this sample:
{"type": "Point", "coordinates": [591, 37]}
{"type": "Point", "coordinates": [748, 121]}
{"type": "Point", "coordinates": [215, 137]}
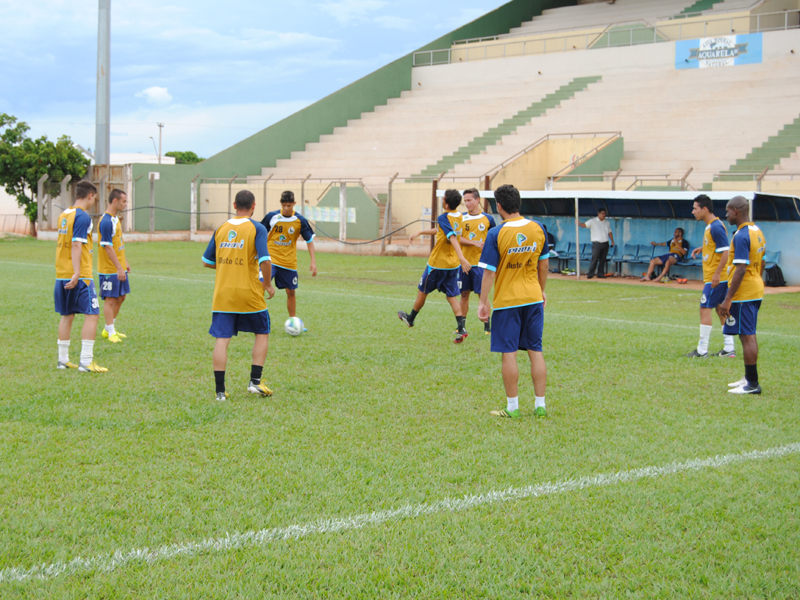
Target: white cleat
{"type": "Point", "coordinates": [740, 383]}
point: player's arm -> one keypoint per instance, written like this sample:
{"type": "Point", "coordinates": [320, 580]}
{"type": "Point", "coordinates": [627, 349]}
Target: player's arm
{"type": "Point", "coordinates": [487, 281]}
{"type": "Point", "coordinates": [121, 272]}
{"type": "Point", "coordinates": [543, 269]}
{"type": "Point", "coordinates": [210, 255]}
{"type": "Point", "coordinates": [696, 251]}
{"type": "Point", "coordinates": [611, 237]}
{"type": "Point", "coordinates": [724, 308]}
{"type": "Point", "coordinates": [658, 243]}
{"type": "Point", "coordinates": [106, 234]}
{"type": "Point", "coordinates": [723, 261]}
{"type": "Point", "coordinates": [465, 266]}
{"type": "Point", "coordinates": [313, 268]}
{"type": "Point", "coordinates": [413, 236]}
{"type": "Point", "coordinates": [465, 242]}
{"type": "Point", "coordinates": [264, 259]}
{"type": "Point", "coordinates": [76, 250]}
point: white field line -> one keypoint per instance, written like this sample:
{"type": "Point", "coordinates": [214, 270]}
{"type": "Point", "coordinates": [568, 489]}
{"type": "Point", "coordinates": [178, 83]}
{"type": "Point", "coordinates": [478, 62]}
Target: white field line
{"type": "Point", "coordinates": [444, 305]}
{"type": "Point", "coordinates": [263, 537]}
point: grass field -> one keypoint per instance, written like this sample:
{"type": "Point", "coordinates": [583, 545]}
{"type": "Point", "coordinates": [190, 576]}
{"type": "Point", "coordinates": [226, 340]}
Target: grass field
{"type": "Point", "coordinates": [375, 471]}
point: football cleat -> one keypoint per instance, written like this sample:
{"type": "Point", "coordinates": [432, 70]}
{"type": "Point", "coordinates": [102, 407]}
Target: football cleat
{"type": "Point", "coordinates": [726, 354]}
{"type": "Point", "coordinates": [540, 411]}
{"type": "Point", "coordinates": [222, 396]}
{"type": "Point", "coordinates": [260, 389]}
{"type": "Point", "coordinates": [695, 354]}
{"type": "Point", "coordinates": [460, 337]}
{"type": "Point", "coordinates": [66, 365]}
{"type": "Point", "coordinates": [92, 367]}
{"type": "Point", "coordinates": [746, 389]}
{"type": "Point", "coordinates": [505, 413]}
{"type": "Point", "coordinates": [122, 335]}
{"type": "Point", "coordinates": [114, 338]}
{"type": "Point", "coordinates": [740, 383]}
{"type": "Point", "coordinates": [405, 318]}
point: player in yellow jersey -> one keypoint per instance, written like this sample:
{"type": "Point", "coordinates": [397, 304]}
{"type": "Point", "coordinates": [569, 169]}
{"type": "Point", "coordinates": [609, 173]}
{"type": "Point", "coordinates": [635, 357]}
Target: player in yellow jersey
{"type": "Point", "coordinates": [715, 278]}
{"type": "Point", "coordinates": [745, 290]}
{"type": "Point", "coordinates": [285, 227]}
{"type": "Point", "coordinates": [112, 264]}
{"type": "Point", "coordinates": [678, 248]}
{"type": "Point", "coordinates": [441, 273]}
{"type": "Point", "coordinates": [475, 226]}
{"type": "Point", "coordinates": [74, 290]}
{"type": "Point", "coordinates": [238, 251]}
{"type": "Point", "coordinates": [515, 259]}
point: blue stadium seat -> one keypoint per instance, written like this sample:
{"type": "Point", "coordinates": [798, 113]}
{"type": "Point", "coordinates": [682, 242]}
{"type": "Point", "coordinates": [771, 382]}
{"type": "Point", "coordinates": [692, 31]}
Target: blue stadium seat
{"type": "Point", "coordinates": [629, 252]}
{"type": "Point", "coordinates": [771, 258]}
{"type": "Point", "coordinates": [566, 256]}
{"type": "Point", "coordinates": [644, 254]}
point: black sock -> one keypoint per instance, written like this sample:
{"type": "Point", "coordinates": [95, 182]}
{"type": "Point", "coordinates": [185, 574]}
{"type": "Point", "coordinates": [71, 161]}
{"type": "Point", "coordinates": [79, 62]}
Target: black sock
{"type": "Point", "coordinates": [412, 315]}
{"type": "Point", "coordinates": [751, 374]}
{"type": "Point", "coordinates": [255, 373]}
{"type": "Point", "coordinates": [219, 379]}
{"type": "Point", "coordinates": [487, 326]}
{"type": "Point", "coordinates": [462, 321]}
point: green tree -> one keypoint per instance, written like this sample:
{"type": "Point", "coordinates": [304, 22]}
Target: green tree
{"type": "Point", "coordinates": [23, 161]}
{"type": "Point", "coordinates": [185, 158]}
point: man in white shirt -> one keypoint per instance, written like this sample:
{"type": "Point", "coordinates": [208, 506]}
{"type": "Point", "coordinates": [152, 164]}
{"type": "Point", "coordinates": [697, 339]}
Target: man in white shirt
{"type": "Point", "coordinates": [601, 234]}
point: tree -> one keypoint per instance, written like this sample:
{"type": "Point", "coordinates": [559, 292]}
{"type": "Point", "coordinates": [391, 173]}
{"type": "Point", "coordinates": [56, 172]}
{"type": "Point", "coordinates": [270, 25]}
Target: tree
{"type": "Point", "coordinates": [185, 158]}
{"type": "Point", "coordinates": [23, 161]}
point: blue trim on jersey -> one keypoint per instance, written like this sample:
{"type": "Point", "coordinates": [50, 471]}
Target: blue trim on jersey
{"type": "Point", "coordinates": [543, 256]}
{"type": "Point", "coordinates": [81, 240]}
{"type": "Point", "coordinates": [519, 305]}
{"type": "Point", "coordinates": [487, 267]}
{"type": "Point", "coordinates": [208, 262]}
{"type": "Point", "coordinates": [79, 279]}
{"type": "Point", "coordinates": [311, 241]}
{"type": "Point", "coordinates": [744, 301]}
{"type": "Point", "coordinates": [265, 258]}
{"type": "Point", "coordinates": [440, 269]}
{"type": "Point", "coordinates": [230, 312]}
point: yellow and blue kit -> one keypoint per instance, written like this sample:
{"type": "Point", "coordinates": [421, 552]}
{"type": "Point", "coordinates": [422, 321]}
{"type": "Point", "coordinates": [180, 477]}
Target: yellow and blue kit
{"type": "Point", "coordinates": [110, 230]}
{"type": "Point", "coordinates": [237, 249]}
{"type": "Point", "coordinates": [475, 228]}
{"type": "Point", "coordinates": [74, 225]}
{"type": "Point", "coordinates": [748, 246]}
{"type": "Point", "coordinates": [715, 242]}
{"type": "Point", "coordinates": [443, 256]}
{"type": "Point", "coordinates": [282, 237]}
{"type": "Point", "coordinates": [513, 250]}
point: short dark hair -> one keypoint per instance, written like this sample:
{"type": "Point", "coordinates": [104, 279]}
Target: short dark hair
{"type": "Point", "coordinates": [115, 193]}
{"type": "Point", "coordinates": [507, 196]}
{"type": "Point", "coordinates": [84, 188]}
{"type": "Point", "coordinates": [452, 198]}
{"type": "Point", "coordinates": [287, 197]}
{"type": "Point", "coordinates": [475, 193]}
{"type": "Point", "coordinates": [244, 200]}
{"type": "Point", "coordinates": [681, 230]}
{"type": "Point", "coordinates": [704, 201]}
{"type": "Point", "coordinates": [601, 210]}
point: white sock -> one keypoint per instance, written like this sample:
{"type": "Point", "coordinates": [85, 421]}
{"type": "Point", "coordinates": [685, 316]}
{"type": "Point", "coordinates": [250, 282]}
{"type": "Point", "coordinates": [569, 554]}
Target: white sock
{"type": "Point", "coordinates": [87, 352]}
{"type": "Point", "coordinates": [705, 335]}
{"type": "Point", "coordinates": [512, 404]}
{"type": "Point", "coordinates": [63, 351]}
{"type": "Point", "coordinates": [729, 347]}
{"type": "Point", "coordinates": [539, 402]}
{"type": "Point", "coordinates": [110, 329]}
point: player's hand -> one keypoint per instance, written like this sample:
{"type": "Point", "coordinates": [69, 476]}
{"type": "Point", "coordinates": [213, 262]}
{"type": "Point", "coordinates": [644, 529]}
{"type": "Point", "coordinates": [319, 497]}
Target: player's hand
{"type": "Point", "coordinates": [269, 289]}
{"type": "Point", "coordinates": [714, 280]}
{"type": "Point", "coordinates": [724, 309]}
{"type": "Point", "coordinates": [653, 244]}
{"type": "Point", "coordinates": [127, 267]}
{"type": "Point", "coordinates": [72, 282]}
{"type": "Point", "coordinates": [479, 244]}
{"type": "Point", "coordinates": [313, 269]}
{"type": "Point", "coordinates": [465, 266]}
{"type": "Point", "coordinates": [122, 275]}
{"type": "Point", "coordinates": [544, 300]}
{"type": "Point", "coordinates": [695, 252]}
{"type": "Point", "coordinates": [483, 312]}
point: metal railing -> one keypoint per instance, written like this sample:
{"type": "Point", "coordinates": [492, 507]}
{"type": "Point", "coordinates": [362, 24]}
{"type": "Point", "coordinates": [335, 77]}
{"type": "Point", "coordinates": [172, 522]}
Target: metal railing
{"type": "Point", "coordinates": [777, 21]}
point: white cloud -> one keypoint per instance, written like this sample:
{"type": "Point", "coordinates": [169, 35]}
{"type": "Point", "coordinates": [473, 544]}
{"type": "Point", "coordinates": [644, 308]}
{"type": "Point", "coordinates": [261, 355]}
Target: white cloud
{"type": "Point", "coordinates": [351, 11]}
{"type": "Point", "coordinates": [155, 95]}
{"type": "Point", "coordinates": [392, 22]}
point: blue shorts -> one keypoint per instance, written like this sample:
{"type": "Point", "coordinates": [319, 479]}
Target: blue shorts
{"type": "Point", "coordinates": [665, 257]}
{"type": "Point", "coordinates": [446, 281]}
{"type": "Point", "coordinates": [112, 287]}
{"type": "Point", "coordinates": [80, 300]}
{"type": "Point", "coordinates": [471, 282]}
{"type": "Point", "coordinates": [518, 328]}
{"type": "Point", "coordinates": [285, 279]}
{"type": "Point", "coordinates": [743, 318]}
{"type": "Point", "coordinates": [713, 297]}
{"type": "Point", "coordinates": [226, 325]}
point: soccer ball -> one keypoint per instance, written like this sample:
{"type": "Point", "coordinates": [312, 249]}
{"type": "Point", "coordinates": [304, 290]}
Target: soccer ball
{"type": "Point", "coordinates": [293, 326]}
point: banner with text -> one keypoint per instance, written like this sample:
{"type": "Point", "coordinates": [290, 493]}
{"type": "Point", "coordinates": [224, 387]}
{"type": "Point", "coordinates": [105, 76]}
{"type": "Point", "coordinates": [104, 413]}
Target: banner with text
{"type": "Point", "coordinates": [721, 51]}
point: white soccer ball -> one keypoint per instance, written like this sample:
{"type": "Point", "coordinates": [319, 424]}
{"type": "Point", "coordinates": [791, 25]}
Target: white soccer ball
{"type": "Point", "coordinates": [293, 326]}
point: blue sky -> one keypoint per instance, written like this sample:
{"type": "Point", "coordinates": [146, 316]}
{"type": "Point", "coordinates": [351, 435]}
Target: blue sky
{"type": "Point", "coordinates": [213, 72]}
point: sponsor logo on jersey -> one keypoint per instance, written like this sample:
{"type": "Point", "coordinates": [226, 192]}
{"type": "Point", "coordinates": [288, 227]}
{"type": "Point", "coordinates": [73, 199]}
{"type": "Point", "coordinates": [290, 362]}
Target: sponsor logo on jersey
{"type": "Point", "coordinates": [521, 239]}
{"type": "Point", "coordinates": [291, 230]}
{"type": "Point", "coordinates": [472, 235]}
{"type": "Point", "coordinates": [703, 299]}
{"type": "Point", "coordinates": [730, 321]}
{"type": "Point", "coordinates": [64, 223]}
{"type": "Point", "coordinates": [234, 245]}
{"type": "Point", "coordinates": [481, 227]}
{"type": "Point", "coordinates": [283, 241]}
{"type": "Point", "coordinates": [231, 235]}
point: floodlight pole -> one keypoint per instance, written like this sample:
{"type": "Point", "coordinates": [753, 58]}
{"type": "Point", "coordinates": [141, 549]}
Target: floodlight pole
{"type": "Point", "coordinates": [103, 112]}
{"type": "Point", "coordinates": [160, 129]}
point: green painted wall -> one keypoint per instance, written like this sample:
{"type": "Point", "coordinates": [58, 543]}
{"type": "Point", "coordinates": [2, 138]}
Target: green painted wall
{"type": "Point", "coordinates": [278, 141]}
{"type": "Point", "coordinates": [608, 159]}
{"type": "Point", "coordinates": [172, 191]}
{"type": "Point", "coordinates": [367, 214]}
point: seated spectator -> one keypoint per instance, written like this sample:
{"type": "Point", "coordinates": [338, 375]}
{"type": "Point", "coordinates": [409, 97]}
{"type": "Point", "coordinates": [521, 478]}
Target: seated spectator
{"type": "Point", "coordinates": [678, 248]}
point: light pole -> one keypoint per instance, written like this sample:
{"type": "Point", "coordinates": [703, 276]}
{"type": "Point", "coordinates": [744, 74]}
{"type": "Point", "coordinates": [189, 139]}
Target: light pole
{"type": "Point", "coordinates": [156, 149]}
{"type": "Point", "coordinates": [160, 128]}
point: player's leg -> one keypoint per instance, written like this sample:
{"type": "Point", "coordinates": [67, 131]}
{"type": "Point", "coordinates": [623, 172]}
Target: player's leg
{"type": "Point", "coordinates": [465, 302]}
{"type": "Point", "coordinates": [669, 262]}
{"type": "Point", "coordinates": [461, 321]}
{"type": "Point", "coordinates": [220, 363]}
{"type": "Point", "coordinates": [91, 308]}
{"type": "Point", "coordinates": [117, 307]}
{"type": "Point", "coordinates": [728, 348]}
{"type": "Point", "coordinates": [539, 378]}
{"type": "Point", "coordinates": [506, 341]}
{"type": "Point", "coordinates": [510, 372]}
{"type": "Point", "coordinates": [654, 262]}
{"type": "Point", "coordinates": [109, 314]}
{"type": "Point", "coordinates": [291, 302]}
{"type": "Point", "coordinates": [64, 331]}
{"type": "Point", "coordinates": [705, 326]}
{"type": "Point", "coordinates": [256, 385]}
{"type": "Point", "coordinates": [419, 301]}
{"type": "Point", "coordinates": [487, 327]}
{"type": "Point", "coordinates": [742, 321]}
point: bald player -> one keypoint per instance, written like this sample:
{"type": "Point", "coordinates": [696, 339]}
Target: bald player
{"type": "Point", "coordinates": [745, 290]}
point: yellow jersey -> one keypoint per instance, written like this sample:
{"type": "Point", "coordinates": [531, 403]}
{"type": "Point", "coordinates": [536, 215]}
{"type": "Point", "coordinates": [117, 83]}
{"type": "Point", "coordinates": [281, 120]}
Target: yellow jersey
{"type": "Point", "coordinates": [475, 228]}
{"type": "Point", "coordinates": [715, 242]}
{"type": "Point", "coordinates": [513, 250]}
{"type": "Point", "coordinates": [74, 225]}
{"type": "Point", "coordinates": [443, 256]}
{"type": "Point", "coordinates": [237, 249]}
{"type": "Point", "coordinates": [748, 246]}
{"type": "Point", "coordinates": [110, 230]}
{"type": "Point", "coordinates": [282, 237]}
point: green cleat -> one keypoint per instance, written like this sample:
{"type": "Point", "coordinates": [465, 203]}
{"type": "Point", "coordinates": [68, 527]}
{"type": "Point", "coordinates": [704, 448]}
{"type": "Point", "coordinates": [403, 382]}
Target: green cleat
{"type": "Point", "coordinates": [540, 411]}
{"type": "Point", "coordinates": [514, 414]}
